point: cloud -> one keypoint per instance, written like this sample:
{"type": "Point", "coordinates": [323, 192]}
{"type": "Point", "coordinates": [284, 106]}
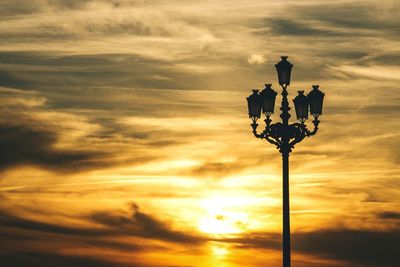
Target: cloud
{"type": "Point", "coordinates": [8, 220]}
{"type": "Point", "coordinates": [49, 71]}
{"type": "Point", "coordinates": [295, 28]}
{"type": "Point", "coordinates": [36, 131]}
{"type": "Point", "coordinates": [11, 8]}
{"type": "Point", "coordinates": [216, 168]}
{"type": "Point", "coordinates": [35, 259]}
{"type": "Point", "coordinates": [370, 72]}
{"type": "Point", "coordinates": [368, 248]}
{"type": "Point", "coordinates": [364, 247]}
{"type": "Point", "coordinates": [138, 224]}
{"type": "Point", "coordinates": [223, 168]}
{"type": "Point", "coordinates": [111, 232]}
{"type": "Point", "coordinates": [392, 215]}
{"type": "Point", "coordinates": [386, 58]}
{"type": "Point", "coordinates": [257, 240]}
{"type": "Point", "coordinates": [356, 18]}
{"type": "Point", "coordinates": [21, 145]}
{"type": "Point", "coordinates": [256, 59]}
{"type": "Point", "coordinates": [46, 71]}
{"type": "Point", "coordinates": [143, 225]}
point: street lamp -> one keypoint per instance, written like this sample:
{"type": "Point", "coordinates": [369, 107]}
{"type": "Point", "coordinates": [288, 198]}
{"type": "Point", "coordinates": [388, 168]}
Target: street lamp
{"type": "Point", "coordinates": [284, 69]}
{"type": "Point", "coordinates": [254, 105]}
{"type": "Point", "coordinates": [282, 134]}
{"type": "Point", "coordinates": [301, 106]}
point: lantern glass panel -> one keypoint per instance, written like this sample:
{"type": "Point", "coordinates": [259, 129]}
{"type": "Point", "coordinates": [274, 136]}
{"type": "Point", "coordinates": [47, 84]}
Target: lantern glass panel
{"type": "Point", "coordinates": [301, 106]}
{"type": "Point", "coordinates": [284, 69]}
{"type": "Point", "coordinates": [254, 105]}
{"type": "Point", "coordinates": [316, 99]}
{"type": "Point", "coordinates": [268, 96]}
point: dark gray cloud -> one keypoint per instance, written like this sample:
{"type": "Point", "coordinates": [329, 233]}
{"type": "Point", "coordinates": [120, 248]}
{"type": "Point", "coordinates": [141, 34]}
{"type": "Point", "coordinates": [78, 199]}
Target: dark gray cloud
{"type": "Point", "coordinates": [324, 21]}
{"type": "Point", "coordinates": [8, 220]}
{"type": "Point", "coordinates": [336, 33]}
{"type": "Point", "coordinates": [131, 27]}
{"type": "Point", "coordinates": [380, 109]}
{"type": "Point", "coordinates": [295, 28]}
{"type": "Point", "coordinates": [52, 72]}
{"type": "Point", "coordinates": [13, 79]}
{"type": "Point", "coordinates": [385, 59]}
{"type": "Point", "coordinates": [138, 224]}
{"type": "Point", "coordinates": [41, 259]}
{"type": "Point", "coordinates": [381, 189]}
{"type": "Point", "coordinates": [368, 248]}
{"type": "Point", "coordinates": [21, 145]}
{"type": "Point", "coordinates": [55, 33]}
{"type": "Point", "coordinates": [217, 169]}
{"type": "Point", "coordinates": [31, 133]}
{"type": "Point", "coordinates": [10, 8]}
{"type": "Point", "coordinates": [143, 225]}
{"type": "Point", "coordinates": [49, 33]}
{"type": "Point", "coordinates": [353, 17]}
{"type": "Point", "coordinates": [343, 54]}
{"type": "Point", "coordinates": [71, 4]}
{"type": "Point", "coordinates": [393, 215]}
{"type": "Point", "coordinates": [23, 232]}
{"type": "Point", "coordinates": [257, 240]}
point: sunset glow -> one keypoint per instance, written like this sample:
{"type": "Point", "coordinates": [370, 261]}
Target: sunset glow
{"type": "Point", "coordinates": [220, 220]}
{"type": "Point", "coordinates": [125, 139]}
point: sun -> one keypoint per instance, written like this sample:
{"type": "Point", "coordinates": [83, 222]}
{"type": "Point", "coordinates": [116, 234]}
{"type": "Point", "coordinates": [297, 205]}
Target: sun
{"type": "Point", "coordinates": [213, 225]}
{"type": "Point", "coordinates": [222, 216]}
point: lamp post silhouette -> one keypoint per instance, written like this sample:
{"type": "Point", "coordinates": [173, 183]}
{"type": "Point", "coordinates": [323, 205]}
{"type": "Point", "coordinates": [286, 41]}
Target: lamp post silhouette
{"type": "Point", "coordinates": [282, 134]}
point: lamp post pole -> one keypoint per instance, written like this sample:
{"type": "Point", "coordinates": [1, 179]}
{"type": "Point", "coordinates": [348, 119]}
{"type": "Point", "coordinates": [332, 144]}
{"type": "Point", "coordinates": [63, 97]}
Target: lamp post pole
{"type": "Point", "coordinates": [286, 211]}
{"type": "Point", "coordinates": [285, 180]}
{"type": "Point", "coordinates": [284, 135]}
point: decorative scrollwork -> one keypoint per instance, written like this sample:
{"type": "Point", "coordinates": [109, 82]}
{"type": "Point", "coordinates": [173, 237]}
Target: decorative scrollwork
{"type": "Point", "coordinates": [278, 133]}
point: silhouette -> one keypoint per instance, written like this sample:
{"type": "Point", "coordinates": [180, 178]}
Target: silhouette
{"type": "Point", "coordinates": [282, 134]}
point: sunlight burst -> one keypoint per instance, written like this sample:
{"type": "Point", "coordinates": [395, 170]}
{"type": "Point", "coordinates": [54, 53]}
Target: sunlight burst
{"type": "Point", "coordinates": [221, 219]}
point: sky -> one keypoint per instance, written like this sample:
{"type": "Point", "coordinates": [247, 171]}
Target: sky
{"type": "Point", "coordinates": [125, 139]}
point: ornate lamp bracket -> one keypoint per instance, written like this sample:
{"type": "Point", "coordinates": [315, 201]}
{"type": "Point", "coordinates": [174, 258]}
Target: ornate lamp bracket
{"type": "Point", "coordinates": [254, 125]}
{"type": "Point", "coordinates": [278, 133]}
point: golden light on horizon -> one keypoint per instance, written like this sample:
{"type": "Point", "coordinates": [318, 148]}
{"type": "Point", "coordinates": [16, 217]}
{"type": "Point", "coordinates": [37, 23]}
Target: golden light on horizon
{"type": "Point", "coordinates": [229, 216]}
{"type": "Point", "coordinates": [219, 225]}
{"type": "Point", "coordinates": [226, 215]}
{"type": "Point", "coordinates": [220, 251]}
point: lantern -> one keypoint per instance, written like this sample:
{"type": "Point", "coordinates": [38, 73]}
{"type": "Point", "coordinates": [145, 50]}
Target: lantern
{"type": "Point", "coordinates": [284, 69]}
{"type": "Point", "coordinates": [315, 100]}
{"type": "Point", "coordinates": [268, 96]}
{"type": "Point", "coordinates": [301, 106]}
{"type": "Point", "coordinates": [254, 105]}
